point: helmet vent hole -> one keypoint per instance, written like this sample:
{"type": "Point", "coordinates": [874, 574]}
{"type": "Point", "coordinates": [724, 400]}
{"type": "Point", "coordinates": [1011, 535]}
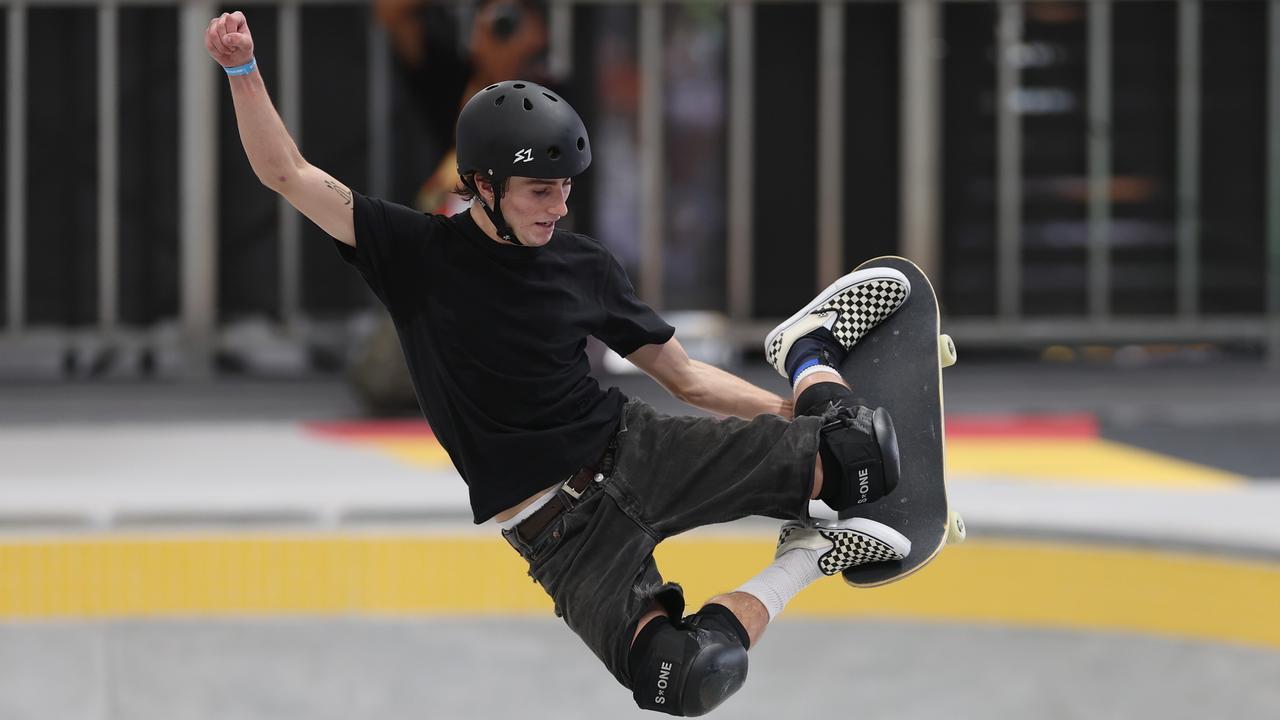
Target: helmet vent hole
{"type": "Point", "coordinates": [553, 152]}
{"type": "Point", "coordinates": [490, 88]}
{"type": "Point", "coordinates": [582, 144]}
{"type": "Point", "coordinates": [528, 105]}
{"type": "Point", "coordinates": [518, 86]}
{"type": "Point", "coordinates": [551, 97]}
{"type": "Point", "coordinates": [500, 99]}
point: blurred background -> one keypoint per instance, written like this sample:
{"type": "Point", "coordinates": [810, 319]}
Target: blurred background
{"type": "Point", "coordinates": [218, 500]}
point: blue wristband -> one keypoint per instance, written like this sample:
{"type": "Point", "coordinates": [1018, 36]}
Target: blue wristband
{"type": "Point", "coordinates": [244, 69]}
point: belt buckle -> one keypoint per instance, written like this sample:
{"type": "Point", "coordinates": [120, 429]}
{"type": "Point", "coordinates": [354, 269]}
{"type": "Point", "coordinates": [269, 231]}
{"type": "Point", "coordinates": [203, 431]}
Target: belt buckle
{"type": "Point", "coordinates": [568, 490]}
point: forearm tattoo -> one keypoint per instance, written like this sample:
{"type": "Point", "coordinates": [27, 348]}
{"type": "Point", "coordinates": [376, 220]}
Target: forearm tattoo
{"type": "Point", "coordinates": [343, 192]}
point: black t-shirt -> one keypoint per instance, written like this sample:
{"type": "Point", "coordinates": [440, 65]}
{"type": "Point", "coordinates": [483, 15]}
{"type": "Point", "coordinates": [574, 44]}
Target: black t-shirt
{"type": "Point", "coordinates": [495, 337]}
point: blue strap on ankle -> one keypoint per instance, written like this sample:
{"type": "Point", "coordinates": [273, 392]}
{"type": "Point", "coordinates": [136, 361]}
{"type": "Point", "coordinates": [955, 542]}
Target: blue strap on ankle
{"type": "Point", "coordinates": [795, 376]}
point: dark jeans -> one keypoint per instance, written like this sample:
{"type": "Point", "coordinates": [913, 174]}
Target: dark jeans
{"type": "Point", "coordinates": [671, 474]}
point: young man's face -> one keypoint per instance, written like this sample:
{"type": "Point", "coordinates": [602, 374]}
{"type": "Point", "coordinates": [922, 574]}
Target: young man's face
{"type": "Point", "coordinates": [531, 206]}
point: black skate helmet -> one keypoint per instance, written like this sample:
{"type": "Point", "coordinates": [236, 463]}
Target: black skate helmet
{"type": "Point", "coordinates": [518, 128]}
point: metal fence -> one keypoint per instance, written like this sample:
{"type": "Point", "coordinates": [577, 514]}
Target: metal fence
{"type": "Point", "coordinates": [920, 69]}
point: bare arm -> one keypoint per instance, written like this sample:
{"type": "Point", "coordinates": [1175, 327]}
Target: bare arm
{"type": "Point", "coordinates": [705, 386]}
{"type": "Point", "coordinates": [271, 151]}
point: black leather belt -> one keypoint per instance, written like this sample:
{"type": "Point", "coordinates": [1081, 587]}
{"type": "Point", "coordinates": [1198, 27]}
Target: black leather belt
{"type": "Point", "coordinates": [567, 496]}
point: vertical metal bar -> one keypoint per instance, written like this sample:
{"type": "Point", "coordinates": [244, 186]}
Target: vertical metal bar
{"type": "Point", "coordinates": [1273, 186]}
{"type": "Point", "coordinates": [830, 142]}
{"type": "Point", "coordinates": [651, 149]}
{"type": "Point", "coordinates": [741, 241]}
{"type": "Point", "coordinates": [198, 162]}
{"type": "Point", "coordinates": [560, 38]}
{"type": "Point", "coordinates": [1009, 162]}
{"type": "Point", "coordinates": [379, 117]}
{"type": "Point", "coordinates": [108, 177]}
{"type": "Point", "coordinates": [288, 220]}
{"type": "Point", "coordinates": [1100, 159]}
{"type": "Point", "coordinates": [920, 145]}
{"type": "Point", "coordinates": [1188, 158]}
{"type": "Point", "coordinates": [15, 172]}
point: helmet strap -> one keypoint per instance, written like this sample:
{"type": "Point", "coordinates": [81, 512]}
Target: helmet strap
{"type": "Point", "coordinates": [495, 214]}
{"type": "Point", "coordinates": [500, 223]}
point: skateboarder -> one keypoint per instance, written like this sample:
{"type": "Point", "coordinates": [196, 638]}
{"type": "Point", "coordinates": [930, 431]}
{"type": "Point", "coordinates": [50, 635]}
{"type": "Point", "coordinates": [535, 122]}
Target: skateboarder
{"type": "Point", "coordinates": [493, 307]}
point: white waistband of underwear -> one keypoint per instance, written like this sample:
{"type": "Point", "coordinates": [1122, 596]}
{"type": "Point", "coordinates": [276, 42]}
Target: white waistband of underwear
{"type": "Point", "coordinates": [533, 507]}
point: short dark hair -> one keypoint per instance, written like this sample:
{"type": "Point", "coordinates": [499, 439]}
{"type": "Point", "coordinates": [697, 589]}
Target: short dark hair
{"type": "Point", "coordinates": [463, 191]}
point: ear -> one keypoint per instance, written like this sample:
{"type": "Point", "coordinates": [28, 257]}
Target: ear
{"type": "Point", "coordinates": [486, 189]}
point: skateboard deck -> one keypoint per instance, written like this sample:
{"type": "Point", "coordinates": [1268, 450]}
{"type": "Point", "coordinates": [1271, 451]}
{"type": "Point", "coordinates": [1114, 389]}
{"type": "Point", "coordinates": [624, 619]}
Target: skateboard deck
{"type": "Point", "coordinates": [898, 366]}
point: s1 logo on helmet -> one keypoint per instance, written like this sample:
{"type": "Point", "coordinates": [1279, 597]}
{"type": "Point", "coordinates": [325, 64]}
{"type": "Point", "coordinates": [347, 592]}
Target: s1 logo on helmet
{"type": "Point", "coordinates": [525, 155]}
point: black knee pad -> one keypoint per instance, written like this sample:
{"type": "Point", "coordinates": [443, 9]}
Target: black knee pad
{"type": "Point", "coordinates": [688, 667]}
{"type": "Point", "coordinates": [859, 450]}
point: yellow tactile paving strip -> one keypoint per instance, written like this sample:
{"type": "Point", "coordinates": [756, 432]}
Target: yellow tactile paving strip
{"type": "Point", "coordinates": [998, 582]}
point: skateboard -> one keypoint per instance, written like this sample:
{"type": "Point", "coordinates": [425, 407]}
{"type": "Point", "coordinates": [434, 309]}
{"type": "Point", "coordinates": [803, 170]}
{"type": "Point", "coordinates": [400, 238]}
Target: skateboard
{"type": "Point", "coordinates": [898, 366]}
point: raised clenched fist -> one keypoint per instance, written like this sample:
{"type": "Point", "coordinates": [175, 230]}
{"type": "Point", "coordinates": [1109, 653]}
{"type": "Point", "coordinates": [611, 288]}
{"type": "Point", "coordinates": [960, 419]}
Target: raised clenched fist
{"type": "Point", "coordinates": [228, 40]}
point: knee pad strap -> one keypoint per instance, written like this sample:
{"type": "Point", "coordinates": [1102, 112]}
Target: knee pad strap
{"type": "Point", "coordinates": [688, 667]}
{"type": "Point", "coordinates": [859, 451]}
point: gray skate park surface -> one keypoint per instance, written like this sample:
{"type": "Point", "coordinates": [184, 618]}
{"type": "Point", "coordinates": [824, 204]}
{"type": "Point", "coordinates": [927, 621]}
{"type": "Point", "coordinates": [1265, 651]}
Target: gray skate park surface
{"type": "Point", "coordinates": [535, 668]}
{"type": "Point", "coordinates": [185, 454]}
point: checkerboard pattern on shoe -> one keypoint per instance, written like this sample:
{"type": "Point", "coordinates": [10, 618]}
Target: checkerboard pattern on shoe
{"type": "Point", "coordinates": [855, 541]}
{"type": "Point", "coordinates": [858, 301]}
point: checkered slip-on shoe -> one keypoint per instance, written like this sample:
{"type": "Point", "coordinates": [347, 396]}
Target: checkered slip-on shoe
{"type": "Point", "coordinates": [849, 307]}
{"type": "Point", "coordinates": [849, 542]}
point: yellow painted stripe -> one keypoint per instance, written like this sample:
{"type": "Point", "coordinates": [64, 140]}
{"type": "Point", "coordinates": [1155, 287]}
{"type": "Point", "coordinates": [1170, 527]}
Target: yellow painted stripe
{"type": "Point", "coordinates": [1087, 587]}
{"type": "Point", "coordinates": [269, 574]}
{"type": "Point", "coordinates": [423, 453]}
{"type": "Point", "coordinates": [1005, 582]}
{"type": "Point", "coordinates": [1079, 461]}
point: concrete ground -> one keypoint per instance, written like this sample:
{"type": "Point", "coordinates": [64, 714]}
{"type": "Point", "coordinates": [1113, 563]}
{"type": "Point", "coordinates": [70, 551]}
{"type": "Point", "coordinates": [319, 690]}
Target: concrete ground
{"type": "Point", "coordinates": [536, 668]}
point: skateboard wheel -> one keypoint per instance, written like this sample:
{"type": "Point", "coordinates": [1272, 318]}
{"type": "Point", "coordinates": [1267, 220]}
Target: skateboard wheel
{"type": "Point", "coordinates": [955, 528]}
{"type": "Point", "coordinates": [946, 350]}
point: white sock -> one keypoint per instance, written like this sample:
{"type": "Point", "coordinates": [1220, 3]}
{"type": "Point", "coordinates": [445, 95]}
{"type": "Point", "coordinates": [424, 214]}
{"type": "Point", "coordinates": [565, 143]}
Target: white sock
{"type": "Point", "coordinates": [788, 575]}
